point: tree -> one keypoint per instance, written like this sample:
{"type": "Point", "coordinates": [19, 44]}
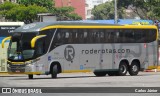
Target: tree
{"type": "Point", "coordinates": [63, 13]}
{"type": "Point", "coordinates": [18, 12]}
{"type": "Point", "coordinates": [66, 13]}
{"type": "Point", "coordinates": [106, 11]}
{"type": "Point", "coordinates": [145, 9]}
{"type": "Point", "coordinates": [74, 16]}
{"type": "Point", "coordinates": [4, 8]}
{"type": "Point", "coordinates": [43, 3]}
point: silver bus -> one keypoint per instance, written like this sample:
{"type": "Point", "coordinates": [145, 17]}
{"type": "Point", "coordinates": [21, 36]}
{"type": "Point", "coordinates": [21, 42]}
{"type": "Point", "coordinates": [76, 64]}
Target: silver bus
{"type": "Point", "coordinates": [60, 47]}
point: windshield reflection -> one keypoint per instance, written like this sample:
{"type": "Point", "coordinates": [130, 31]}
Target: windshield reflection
{"type": "Point", "coordinates": [20, 48]}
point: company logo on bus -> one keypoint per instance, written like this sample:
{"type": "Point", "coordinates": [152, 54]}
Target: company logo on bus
{"type": "Point", "coordinates": [69, 53]}
{"type": "Point", "coordinates": [29, 26]}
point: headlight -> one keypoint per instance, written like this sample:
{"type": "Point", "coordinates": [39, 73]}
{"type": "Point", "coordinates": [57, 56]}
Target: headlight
{"type": "Point", "coordinates": [32, 61]}
{"type": "Point", "coordinates": [28, 62]}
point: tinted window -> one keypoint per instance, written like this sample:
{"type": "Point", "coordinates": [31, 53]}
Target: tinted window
{"type": "Point", "coordinates": [47, 39]}
{"type": "Point", "coordinates": [89, 36]}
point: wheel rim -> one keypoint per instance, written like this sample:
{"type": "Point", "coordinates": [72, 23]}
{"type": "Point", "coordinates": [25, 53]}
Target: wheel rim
{"type": "Point", "coordinates": [123, 69]}
{"type": "Point", "coordinates": [134, 68]}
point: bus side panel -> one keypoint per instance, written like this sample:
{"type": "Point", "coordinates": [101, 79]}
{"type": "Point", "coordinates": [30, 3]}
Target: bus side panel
{"type": "Point", "coordinates": [129, 52]}
{"type": "Point", "coordinates": [56, 55]}
{"type": "Point", "coordinates": [87, 58]}
{"type": "Point", "coordinates": [153, 55]}
{"type": "Point", "coordinates": [41, 64]}
{"type": "Point", "coordinates": [106, 57]}
{"type": "Point", "coordinates": [67, 56]}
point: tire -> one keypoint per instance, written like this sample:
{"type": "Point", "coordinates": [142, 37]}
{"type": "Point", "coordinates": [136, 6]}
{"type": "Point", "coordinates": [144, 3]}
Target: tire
{"type": "Point", "coordinates": [30, 76]}
{"type": "Point", "coordinates": [54, 71]}
{"type": "Point", "coordinates": [123, 68]}
{"type": "Point", "coordinates": [134, 68]}
{"type": "Point", "coordinates": [100, 74]}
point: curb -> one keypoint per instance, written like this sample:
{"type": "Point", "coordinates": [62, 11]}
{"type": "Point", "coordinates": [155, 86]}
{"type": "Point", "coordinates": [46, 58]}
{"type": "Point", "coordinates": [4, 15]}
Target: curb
{"type": "Point", "coordinates": [7, 74]}
{"type": "Point", "coordinates": [152, 70]}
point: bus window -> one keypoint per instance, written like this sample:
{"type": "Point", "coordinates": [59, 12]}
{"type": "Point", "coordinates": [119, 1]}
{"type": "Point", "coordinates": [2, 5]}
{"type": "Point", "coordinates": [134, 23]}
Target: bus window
{"type": "Point", "coordinates": [140, 36]}
{"type": "Point", "coordinates": [57, 39]}
{"type": "Point", "coordinates": [116, 36]}
{"type": "Point", "coordinates": [80, 36]}
{"type": "Point", "coordinates": [63, 38]}
{"type": "Point", "coordinates": [70, 41]}
{"type": "Point", "coordinates": [152, 34]}
{"type": "Point", "coordinates": [74, 36]}
{"type": "Point", "coordinates": [109, 35]}
{"type": "Point", "coordinates": [89, 40]}
{"type": "Point", "coordinates": [128, 36]}
{"type": "Point", "coordinates": [67, 35]}
{"type": "Point", "coordinates": [49, 35]}
{"type": "Point", "coordinates": [85, 36]}
{"type": "Point", "coordinates": [101, 36]}
{"type": "Point", "coordinates": [95, 35]}
{"type": "Point", "coordinates": [40, 50]}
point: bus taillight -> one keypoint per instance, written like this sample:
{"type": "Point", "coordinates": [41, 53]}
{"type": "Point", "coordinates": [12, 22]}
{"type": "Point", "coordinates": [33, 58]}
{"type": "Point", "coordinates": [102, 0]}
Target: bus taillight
{"type": "Point", "coordinates": [145, 45]}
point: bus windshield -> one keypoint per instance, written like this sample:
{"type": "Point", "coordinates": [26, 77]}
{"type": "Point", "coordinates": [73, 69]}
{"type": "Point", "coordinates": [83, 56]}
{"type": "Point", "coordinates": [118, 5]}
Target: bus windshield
{"type": "Point", "coordinates": [20, 47]}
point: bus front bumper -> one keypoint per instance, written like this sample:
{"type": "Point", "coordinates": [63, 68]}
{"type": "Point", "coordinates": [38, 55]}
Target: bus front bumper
{"type": "Point", "coordinates": [22, 69]}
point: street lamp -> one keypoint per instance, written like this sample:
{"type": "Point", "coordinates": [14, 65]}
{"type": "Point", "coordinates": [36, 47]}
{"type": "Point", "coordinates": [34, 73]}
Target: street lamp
{"type": "Point", "coordinates": [115, 12]}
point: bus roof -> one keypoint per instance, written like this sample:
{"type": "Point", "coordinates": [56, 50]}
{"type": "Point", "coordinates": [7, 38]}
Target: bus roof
{"type": "Point", "coordinates": [39, 26]}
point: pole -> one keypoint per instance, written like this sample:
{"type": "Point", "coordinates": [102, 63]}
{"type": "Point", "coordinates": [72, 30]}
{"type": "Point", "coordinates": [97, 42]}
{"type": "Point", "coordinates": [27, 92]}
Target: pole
{"type": "Point", "coordinates": [115, 12]}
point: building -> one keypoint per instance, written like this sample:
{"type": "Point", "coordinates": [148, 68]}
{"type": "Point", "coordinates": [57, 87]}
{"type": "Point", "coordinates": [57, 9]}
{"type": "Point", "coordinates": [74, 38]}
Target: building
{"type": "Point", "coordinates": [79, 6]}
{"type": "Point", "coordinates": [90, 5]}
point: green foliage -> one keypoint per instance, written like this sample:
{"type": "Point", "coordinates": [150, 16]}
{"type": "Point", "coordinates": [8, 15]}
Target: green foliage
{"type": "Point", "coordinates": [20, 12]}
{"type": "Point", "coordinates": [106, 11]}
{"type": "Point", "coordinates": [65, 13]}
{"type": "Point", "coordinates": [145, 9]}
{"type": "Point", "coordinates": [43, 3]}
{"type": "Point", "coordinates": [74, 16]}
{"type": "Point", "coordinates": [5, 7]}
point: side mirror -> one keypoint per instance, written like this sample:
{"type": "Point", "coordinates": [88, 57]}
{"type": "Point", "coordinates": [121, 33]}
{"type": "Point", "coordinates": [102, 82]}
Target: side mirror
{"type": "Point", "coordinates": [4, 40]}
{"type": "Point", "coordinates": [33, 41]}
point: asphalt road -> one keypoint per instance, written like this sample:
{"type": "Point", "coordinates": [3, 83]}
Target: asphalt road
{"type": "Point", "coordinates": [144, 79]}
{"type": "Point", "coordinates": [77, 80]}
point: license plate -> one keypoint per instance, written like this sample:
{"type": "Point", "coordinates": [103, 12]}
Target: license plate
{"type": "Point", "coordinates": [17, 71]}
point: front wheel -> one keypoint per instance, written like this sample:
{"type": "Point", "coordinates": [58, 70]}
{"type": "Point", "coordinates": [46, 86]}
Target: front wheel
{"type": "Point", "coordinates": [134, 68]}
{"type": "Point", "coordinates": [30, 76]}
{"type": "Point", "coordinates": [54, 71]}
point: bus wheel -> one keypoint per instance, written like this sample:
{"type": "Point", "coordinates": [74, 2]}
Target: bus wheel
{"type": "Point", "coordinates": [122, 69]}
{"type": "Point", "coordinates": [134, 68]}
{"type": "Point", "coordinates": [54, 71]}
{"type": "Point", "coordinates": [100, 73]}
{"type": "Point", "coordinates": [30, 76]}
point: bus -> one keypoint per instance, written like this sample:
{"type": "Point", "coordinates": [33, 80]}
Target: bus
{"type": "Point", "coordinates": [5, 29]}
{"type": "Point", "coordinates": [50, 48]}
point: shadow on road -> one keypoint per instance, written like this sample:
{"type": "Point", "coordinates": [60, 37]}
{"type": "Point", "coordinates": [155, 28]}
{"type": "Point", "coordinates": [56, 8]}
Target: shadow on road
{"type": "Point", "coordinates": [12, 76]}
{"type": "Point", "coordinates": [38, 78]}
{"type": "Point", "coordinates": [70, 77]}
